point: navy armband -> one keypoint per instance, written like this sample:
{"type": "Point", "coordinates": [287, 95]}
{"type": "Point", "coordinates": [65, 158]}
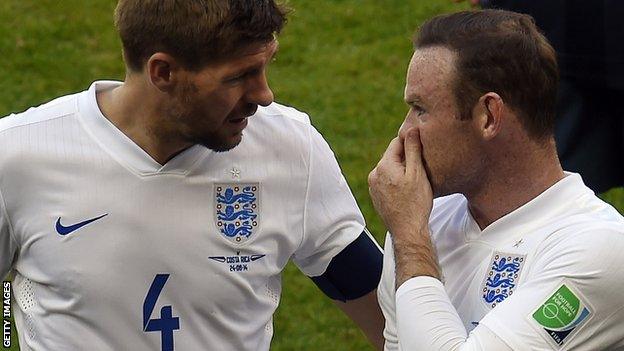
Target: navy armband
{"type": "Point", "coordinates": [354, 272]}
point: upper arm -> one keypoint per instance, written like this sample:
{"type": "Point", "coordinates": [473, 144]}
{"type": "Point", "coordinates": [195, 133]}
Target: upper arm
{"type": "Point", "coordinates": [571, 298]}
{"type": "Point", "coordinates": [568, 298]}
{"type": "Point", "coordinates": [332, 219]}
{"type": "Point", "coordinates": [354, 272]}
{"type": "Point", "coordinates": [350, 280]}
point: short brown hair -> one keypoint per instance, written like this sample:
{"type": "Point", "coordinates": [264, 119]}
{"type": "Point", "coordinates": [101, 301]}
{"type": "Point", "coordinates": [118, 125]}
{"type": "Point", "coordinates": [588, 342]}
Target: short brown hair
{"type": "Point", "coordinates": [195, 32]}
{"type": "Point", "coordinates": [502, 52]}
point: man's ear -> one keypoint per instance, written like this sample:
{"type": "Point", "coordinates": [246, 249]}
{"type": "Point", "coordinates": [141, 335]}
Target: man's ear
{"type": "Point", "coordinates": [488, 115]}
{"type": "Point", "coordinates": [163, 71]}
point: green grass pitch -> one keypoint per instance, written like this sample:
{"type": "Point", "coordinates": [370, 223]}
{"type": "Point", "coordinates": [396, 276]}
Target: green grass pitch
{"type": "Point", "coordinates": [342, 61]}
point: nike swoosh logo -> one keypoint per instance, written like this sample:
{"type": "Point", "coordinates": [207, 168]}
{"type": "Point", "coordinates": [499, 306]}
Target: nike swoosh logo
{"type": "Point", "coordinates": [64, 230]}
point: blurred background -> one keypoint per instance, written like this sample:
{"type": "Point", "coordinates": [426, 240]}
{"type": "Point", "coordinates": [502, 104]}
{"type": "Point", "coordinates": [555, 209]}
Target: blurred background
{"type": "Point", "coordinates": [341, 61]}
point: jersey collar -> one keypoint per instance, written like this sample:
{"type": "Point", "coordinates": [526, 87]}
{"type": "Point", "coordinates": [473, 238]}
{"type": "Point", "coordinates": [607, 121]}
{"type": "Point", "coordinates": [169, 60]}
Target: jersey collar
{"type": "Point", "coordinates": [121, 147]}
{"type": "Point", "coordinates": [534, 214]}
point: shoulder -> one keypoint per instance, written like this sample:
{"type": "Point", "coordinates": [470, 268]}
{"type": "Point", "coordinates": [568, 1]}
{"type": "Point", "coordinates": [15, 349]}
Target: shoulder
{"type": "Point", "coordinates": [448, 204]}
{"type": "Point", "coordinates": [447, 208]}
{"type": "Point", "coordinates": [280, 127]}
{"type": "Point", "coordinates": [287, 130]}
{"type": "Point", "coordinates": [576, 225]}
{"type": "Point", "coordinates": [57, 108]}
{"type": "Point", "coordinates": [277, 112]}
{"type": "Point", "coordinates": [584, 244]}
{"type": "Point", "coordinates": [587, 234]}
{"type": "Point", "coordinates": [587, 221]}
{"type": "Point", "coordinates": [447, 220]}
{"type": "Point", "coordinates": [26, 137]}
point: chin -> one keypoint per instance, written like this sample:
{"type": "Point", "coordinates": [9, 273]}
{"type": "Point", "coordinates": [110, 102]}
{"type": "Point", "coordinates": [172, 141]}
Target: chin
{"type": "Point", "coordinates": [222, 145]}
{"type": "Point", "coordinates": [440, 187]}
{"type": "Point", "coordinates": [437, 194]}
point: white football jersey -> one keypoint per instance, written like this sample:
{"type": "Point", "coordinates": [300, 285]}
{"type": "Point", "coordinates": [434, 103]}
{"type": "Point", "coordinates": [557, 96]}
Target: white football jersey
{"type": "Point", "coordinates": [547, 276]}
{"type": "Point", "coordinates": [113, 251]}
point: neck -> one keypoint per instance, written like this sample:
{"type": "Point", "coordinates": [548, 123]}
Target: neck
{"type": "Point", "coordinates": [517, 177]}
{"type": "Point", "coordinates": [135, 111]}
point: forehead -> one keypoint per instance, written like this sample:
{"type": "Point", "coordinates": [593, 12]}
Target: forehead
{"type": "Point", "coordinates": [252, 56]}
{"type": "Point", "coordinates": [256, 49]}
{"type": "Point", "coordinates": [257, 53]}
{"type": "Point", "coordinates": [430, 72]}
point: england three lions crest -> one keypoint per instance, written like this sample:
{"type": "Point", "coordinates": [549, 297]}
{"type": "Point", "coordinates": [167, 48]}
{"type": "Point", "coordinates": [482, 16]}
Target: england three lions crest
{"type": "Point", "coordinates": [501, 278]}
{"type": "Point", "coordinates": [236, 210]}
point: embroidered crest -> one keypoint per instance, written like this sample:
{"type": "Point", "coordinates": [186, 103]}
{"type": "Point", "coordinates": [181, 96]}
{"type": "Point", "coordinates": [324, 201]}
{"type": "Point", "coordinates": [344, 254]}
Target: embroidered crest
{"type": "Point", "coordinates": [501, 278]}
{"type": "Point", "coordinates": [236, 210]}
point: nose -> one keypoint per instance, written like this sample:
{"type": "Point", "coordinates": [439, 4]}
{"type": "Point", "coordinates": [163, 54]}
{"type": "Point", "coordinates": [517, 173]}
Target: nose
{"type": "Point", "coordinates": [260, 93]}
{"type": "Point", "coordinates": [408, 123]}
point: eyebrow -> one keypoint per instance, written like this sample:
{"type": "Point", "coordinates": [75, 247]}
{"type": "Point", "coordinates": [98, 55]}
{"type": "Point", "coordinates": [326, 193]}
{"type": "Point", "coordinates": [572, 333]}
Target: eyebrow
{"type": "Point", "coordinates": [413, 99]}
{"type": "Point", "coordinates": [252, 67]}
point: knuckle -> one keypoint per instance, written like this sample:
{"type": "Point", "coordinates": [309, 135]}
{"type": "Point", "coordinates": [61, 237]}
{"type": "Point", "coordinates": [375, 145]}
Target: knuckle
{"type": "Point", "coordinates": [372, 176]}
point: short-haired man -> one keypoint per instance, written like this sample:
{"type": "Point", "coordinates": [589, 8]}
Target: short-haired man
{"type": "Point", "coordinates": [513, 253]}
{"type": "Point", "coordinates": [128, 229]}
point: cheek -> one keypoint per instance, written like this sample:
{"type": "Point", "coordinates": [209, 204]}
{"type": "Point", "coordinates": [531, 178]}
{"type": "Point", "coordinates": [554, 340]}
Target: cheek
{"type": "Point", "coordinates": [438, 147]}
{"type": "Point", "coordinates": [225, 102]}
{"type": "Point", "coordinates": [431, 137]}
{"type": "Point", "coordinates": [213, 106]}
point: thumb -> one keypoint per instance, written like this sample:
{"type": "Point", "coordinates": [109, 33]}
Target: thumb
{"type": "Point", "coordinates": [413, 151]}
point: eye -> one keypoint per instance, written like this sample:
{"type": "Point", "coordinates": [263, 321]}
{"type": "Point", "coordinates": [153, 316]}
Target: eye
{"type": "Point", "coordinates": [243, 76]}
{"type": "Point", "coordinates": [418, 109]}
{"type": "Point", "coordinates": [236, 79]}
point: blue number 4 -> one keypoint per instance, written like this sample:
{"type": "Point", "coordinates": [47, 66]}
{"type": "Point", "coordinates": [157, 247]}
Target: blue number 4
{"type": "Point", "coordinates": [166, 324]}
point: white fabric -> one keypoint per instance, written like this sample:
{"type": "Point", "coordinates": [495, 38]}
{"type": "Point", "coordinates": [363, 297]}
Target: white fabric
{"type": "Point", "coordinates": [424, 306]}
{"type": "Point", "coordinates": [66, 160]}
{"type": "Point", "coordinates": [565, 235]}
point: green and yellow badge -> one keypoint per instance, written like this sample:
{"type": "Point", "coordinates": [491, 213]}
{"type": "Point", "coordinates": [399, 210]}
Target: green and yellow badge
{"type": "Point", "coordinates": [561, 314]}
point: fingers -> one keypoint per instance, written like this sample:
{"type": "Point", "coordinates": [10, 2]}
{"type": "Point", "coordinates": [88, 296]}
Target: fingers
{"type": "Point", "coordinates": [394, 152]}
{"type": "Point", "coordinates": [413, 152]}
{"type": "Point", "coordinates": [372, 179]}
{"type": "Point", "coordinates": [391, 162]}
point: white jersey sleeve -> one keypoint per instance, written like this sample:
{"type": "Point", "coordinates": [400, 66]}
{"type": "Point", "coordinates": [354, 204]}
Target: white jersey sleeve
{"type": "Point", "coordinates": [332, 219]}
{"type": "Point", "coordinates": [566, 303]}
{"type": "Point", "coordinates": [572, 299]}
{"type": "Point", "coordinates": [416, 313]}
{"type": "Point", "coordinates": [8, 245]}
{"type": "Point", "coordinates": [427, 320]}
